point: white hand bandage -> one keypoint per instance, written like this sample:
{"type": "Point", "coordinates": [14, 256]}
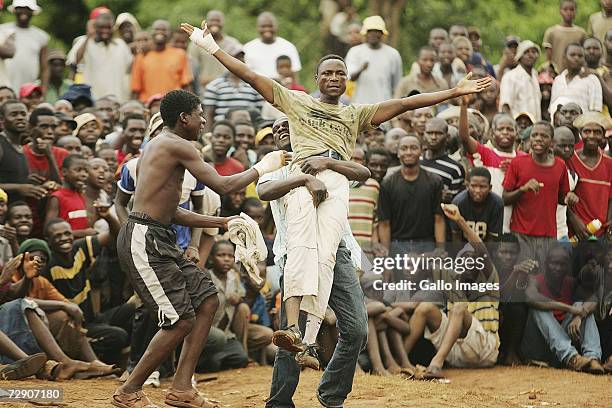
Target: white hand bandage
{"type": "Point", "coordinates": [270, 162]}
{"type": "Point", "coordinates": [207, 43]}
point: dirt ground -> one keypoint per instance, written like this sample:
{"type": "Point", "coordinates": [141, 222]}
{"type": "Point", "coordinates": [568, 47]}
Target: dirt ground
{"type": "Point", "coordinates": [496, 387]}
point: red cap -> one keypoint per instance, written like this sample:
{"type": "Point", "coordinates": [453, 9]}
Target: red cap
{"type": "Point", "coordinates": [545, 78]}
{"type": "Point", "coordinates": [26, 90]}
{"type": "Point", "coordinates": [97, 11]}
{"type": "Point", "coordinates": [153, 98]}
{"type": "Point", "coordinates": [1, 4]}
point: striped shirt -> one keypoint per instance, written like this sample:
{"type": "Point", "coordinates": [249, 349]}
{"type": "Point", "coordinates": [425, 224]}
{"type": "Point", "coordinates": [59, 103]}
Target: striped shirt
{"type": "Point", "coordinates": [223, 94]}
{"type": "Point", "coordinates": [363, 201]}
{"type": "Point", "coordinates": [450, 171]}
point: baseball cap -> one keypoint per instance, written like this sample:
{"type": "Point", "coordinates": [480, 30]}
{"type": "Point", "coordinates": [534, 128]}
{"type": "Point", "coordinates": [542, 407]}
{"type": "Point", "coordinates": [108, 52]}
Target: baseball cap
{"type": "Point", "coordinates": [374, 23]}
{"type": "Point", "coordinates": [63, 117]}
{"type": "Point", "coordinates": [512, 40]}
{"type": "Point", "coordinates": [473, 31]}
{"type": "Point", "coordinates": [26, 90]}
{"type": "Point", "coordinates": [31, 4]}
{"type": "Point", "coordinates": [97, 11]}
{"type": "Point", "coordinates": [78, 92]}
{"type": "Point", "coordinates": [523, 47]}
{"type": "Point", "coordinates": [267, 131]}
{"type": "Point", "coordinates": [56, 54]}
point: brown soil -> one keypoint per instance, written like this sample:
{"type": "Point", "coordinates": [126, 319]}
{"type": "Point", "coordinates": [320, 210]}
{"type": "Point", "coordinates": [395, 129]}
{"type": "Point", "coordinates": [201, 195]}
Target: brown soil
{"type": "Point", "coordinates": [497, 387]}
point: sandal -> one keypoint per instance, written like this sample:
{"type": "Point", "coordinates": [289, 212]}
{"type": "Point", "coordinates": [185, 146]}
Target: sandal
{"type": "Point", "coordinates": [50, 370]}
{"type": "Point", "coordinates": [24, 367]}
{"type": "Point", "coordinates": [189, 399]}
{"type": "Point", "coordinates": [137, 399]}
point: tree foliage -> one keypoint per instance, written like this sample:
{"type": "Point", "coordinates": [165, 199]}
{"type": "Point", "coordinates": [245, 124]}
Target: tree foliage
{"type": "Point", "coordinates": [299, 19]}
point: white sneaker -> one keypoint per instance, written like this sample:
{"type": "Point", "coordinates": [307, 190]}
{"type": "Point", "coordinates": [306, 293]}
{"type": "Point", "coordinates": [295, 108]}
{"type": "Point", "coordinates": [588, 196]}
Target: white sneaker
{"type": "Point", "coordinates": [153, 380]}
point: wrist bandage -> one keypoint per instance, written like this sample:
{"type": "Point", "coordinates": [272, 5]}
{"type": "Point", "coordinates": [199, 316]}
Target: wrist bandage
{"type": "Point", "coordinates": [207, 43]}
{"type": "Point", "coordinates": [270, 162]}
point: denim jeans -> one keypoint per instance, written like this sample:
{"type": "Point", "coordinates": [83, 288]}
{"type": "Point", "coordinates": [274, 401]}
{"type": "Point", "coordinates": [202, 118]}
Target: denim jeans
{"type": "Point", "coordinates": [347, 301]}
{"type": "Point", "coordinates": [545, 339]}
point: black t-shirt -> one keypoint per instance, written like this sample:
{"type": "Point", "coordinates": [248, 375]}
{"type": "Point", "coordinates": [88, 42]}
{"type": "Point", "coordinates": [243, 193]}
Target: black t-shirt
{"type": "Point", "coordinates": [410, 205]}
{"type": "Point", "coordinates": [72, 279]}
{"type": "Point", "coordinates": [13, 167]}
{"type": "Point", "coordinates": [486, 220]}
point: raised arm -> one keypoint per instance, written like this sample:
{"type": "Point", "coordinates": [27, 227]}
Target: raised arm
{"type": "Point", "coordinates": [222, 185]}
{"type": "Point", "coordinates": [469, 143]}
{"type": "Point", "coordinates": [393, 107]}
{"type": "Point", "coordinates": [204, 39]}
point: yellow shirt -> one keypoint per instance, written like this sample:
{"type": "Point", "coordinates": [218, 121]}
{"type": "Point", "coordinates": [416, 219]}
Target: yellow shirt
{"type": "Point", "coordinates": [317, 127]}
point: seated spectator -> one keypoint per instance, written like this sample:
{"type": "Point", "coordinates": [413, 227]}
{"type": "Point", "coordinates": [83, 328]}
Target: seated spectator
{"type": "Point", "coordinates": [23, 365]}
{"type": "Point", "coordinates": [556, 322]}
{"type": "Point", "coordinates": [68, 272]}
{"type": "Point", "coordinates": [466, 336]}
{"type": "Point", "coordinates": [223, 134]}
{"type": "Point", "coordinates": [482, 209]}
{"type": "Point", "coordinates": [230, 315]}
{"type": "Point", "coordinates": [68, 203]}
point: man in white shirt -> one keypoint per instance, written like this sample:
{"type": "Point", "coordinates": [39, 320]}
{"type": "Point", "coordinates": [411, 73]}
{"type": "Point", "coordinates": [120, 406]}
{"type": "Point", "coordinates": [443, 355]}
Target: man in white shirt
{"type": "Point", "coordinates": [374, 66]}
{"type": "Point", "coordinates": [576, 84]}
{"type": "Point", "coordinates": [104, 57]}
{"type": "Point", "coordinates": [261, 53]}
{"type": "Point", "coordinates": [520, 90]}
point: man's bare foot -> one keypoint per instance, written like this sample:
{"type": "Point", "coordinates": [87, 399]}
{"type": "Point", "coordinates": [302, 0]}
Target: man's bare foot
{"type": "Point", "coordinates": [394, 369]}
{"type": "Point", "coordinates": [137, 399]}
{"type": "Point", "coordinates": [433, 372]}
{"type": "Point", "coordinates": [71, 367]}
{"type": "Point", "coordinates": [189, 399]}
{"type": "Point", "coordinates": [380, 372]}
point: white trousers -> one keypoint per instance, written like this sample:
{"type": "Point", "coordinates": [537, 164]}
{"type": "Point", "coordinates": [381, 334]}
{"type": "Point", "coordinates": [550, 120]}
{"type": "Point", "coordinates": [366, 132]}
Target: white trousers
{"type": "Point", "coordinates": [313, 236]}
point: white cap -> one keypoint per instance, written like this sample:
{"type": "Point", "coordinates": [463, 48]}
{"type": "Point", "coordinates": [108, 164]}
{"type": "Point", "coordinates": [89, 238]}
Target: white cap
{"type": "Point", "coordinates": [31, 4]}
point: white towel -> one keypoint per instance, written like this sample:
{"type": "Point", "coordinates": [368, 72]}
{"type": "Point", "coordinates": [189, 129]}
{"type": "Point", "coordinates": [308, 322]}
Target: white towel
{"type": "Point", "coordinates": [250, 246]}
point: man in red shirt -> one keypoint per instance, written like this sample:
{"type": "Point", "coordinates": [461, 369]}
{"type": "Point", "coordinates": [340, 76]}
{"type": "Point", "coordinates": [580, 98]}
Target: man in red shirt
{"type": "Point", "coordinates": [43, 158]}
{"type": "Point", "coordinates": [534, 184]}
{"type": "Point", "coordinates": [556, 322]}
{"type": "Point", "coordinates": [222, 139]}
{"type": "Point", "coordinates": [594, 170]}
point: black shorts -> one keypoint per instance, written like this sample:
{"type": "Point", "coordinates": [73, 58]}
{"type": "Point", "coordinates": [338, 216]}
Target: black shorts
{"type": "Point", "coordinates": [169, 285]}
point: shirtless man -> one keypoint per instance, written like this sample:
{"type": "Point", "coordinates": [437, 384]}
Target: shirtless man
{"type": "Point", "coordinates": [181, 295]}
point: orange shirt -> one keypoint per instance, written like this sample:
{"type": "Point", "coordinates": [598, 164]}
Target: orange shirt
{"type": "Point", "coordinates": [41, 288]}
{"type": "Point", "coordinates": [160, 72]}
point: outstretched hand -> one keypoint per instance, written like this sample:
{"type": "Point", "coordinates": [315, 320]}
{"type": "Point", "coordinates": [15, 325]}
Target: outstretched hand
{"type": "Point", "coordinates": [468, 86]}
{"type": "Point", "coordinates": [189, 29]}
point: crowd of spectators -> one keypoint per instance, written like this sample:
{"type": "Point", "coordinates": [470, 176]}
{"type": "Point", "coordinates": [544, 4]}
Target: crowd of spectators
{"type": "Point", "coordinates": [521, 171]}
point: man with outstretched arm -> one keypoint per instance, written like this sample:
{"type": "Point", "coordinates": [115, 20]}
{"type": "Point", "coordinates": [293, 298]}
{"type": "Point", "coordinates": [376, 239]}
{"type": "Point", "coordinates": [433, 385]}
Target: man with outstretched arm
{"type": "Point", "coordinates": [320, 127]}
{"type": "Point", "coordinates": [181, 295]}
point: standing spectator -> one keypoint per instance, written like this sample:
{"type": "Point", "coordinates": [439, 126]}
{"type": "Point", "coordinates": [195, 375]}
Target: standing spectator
{"type": "Point", "coordinates": [14, 172]}
{"type": "Point", "coordinates": [424, 80]}
{"type": "Point", "coordinates": [363, 202]}
{"type": "Point", "coordinates": [563, 147]}
{"type": "Point", "coordinates": [601, 22]}
{"type": "Point", "coordinates": [436, 160]}
{"type": "Point", "coordinates": [558, 37]}
{"type": "Point", "coordinates": [446, 67]}
{"type": "Point", "coordinates": [377, 161]}
{"type": "Point", "coordinates": [126, 27]}
{"type": "Point", "coordinates": [534, 184]}
{"type": "Point", "coordinates": [375, 67]}
{"type": "Point", "coordinates": [520, 90]}
{"type": "Point", "coordinates": [482, 209]}
{"type": "Point", "coordinates": [576, 84]}
{"type": "Point", "coordinates": [409, 213]}
{"type": "Point", "coordinates": [88, 130]}
{"type": "Point", "coordinates": [31, 95]}
{"type": "Point", "coordinates": [105, 60]}
{"type": "Point", "coordinates": [58, 83]}
{"type": "Point", "coordinates": [437, 37]}
{"type": "Point", "coordinates": [7, 51]}
{"type": "Point", "coordinates": [162, 69]}
{"type": "Point", "coordinates": [594, 170]}
{"type": "Point", "coordinates": [208, 65]}
{"type": "Point", "coordinates": [30, 60]}
{"type": "Point", "coordinates": [223, 134]}
{"type": "Point", "coordinates": [261, 53]}
{"type": "Point", "coordinates": [228, 91]}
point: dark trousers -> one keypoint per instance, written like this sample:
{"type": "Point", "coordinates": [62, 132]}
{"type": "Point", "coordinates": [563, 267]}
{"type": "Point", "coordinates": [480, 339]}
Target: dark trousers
{"type": "Point", "coordinates": [347, 301]}
{"type": "Point", "coordinates": [110, 332]}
